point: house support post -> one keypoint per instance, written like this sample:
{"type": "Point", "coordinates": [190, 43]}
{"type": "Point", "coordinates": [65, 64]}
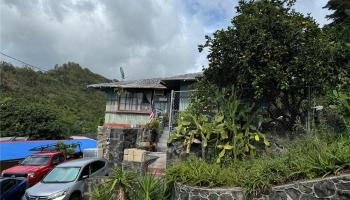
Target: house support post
{"type": "Point", "coordinates": [171, 111]}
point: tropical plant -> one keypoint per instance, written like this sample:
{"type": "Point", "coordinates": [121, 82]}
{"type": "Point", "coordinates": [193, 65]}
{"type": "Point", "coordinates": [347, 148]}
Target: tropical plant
{"type": "Point", "coordinates": [233, 130]}
{"type": "Point", "coordinates": [124, 185]}
{"type": "Point", "coordinates": [197, 129]}
{"type": "Point", "coordinates": [242, 124]}
{"type": "Point", "coordinates": [99, 192]}
{"type": "Point", "coordinates": [120, 183]}
{"type": "Point", "coordinates": [148, 187]}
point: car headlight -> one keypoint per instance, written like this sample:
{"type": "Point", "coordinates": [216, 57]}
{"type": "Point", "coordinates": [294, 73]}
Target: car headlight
{"type": "Point", "coordinates": [2, 173]}
{"type": "Point", "coordinates": [57, 195]}
{"type": "Point", "coordinates": [31, 175]}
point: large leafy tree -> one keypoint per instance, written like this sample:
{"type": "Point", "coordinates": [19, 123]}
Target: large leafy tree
{"type": "Point", "coordinates": [338, 33]}
{"type": "Point", "coordinates": [30, 119]}
{"type": "Point", "coordinates": [341, 10]}
{"type": "Point", "coordinates": [275, 53]}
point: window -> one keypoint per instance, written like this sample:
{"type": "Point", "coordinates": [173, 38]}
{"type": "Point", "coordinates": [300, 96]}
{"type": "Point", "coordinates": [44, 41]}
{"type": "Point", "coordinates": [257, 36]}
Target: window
{"type": "Point", "coordinates": [36, 161]}
{"type": "Point", "coordinates": [86, 171]}
{"type": "Point", "coordinates": [97, 165]}
{"type": "Point", "coordinates": [134, 101]}
{"type": "Point", "coordinates": [62, 175]}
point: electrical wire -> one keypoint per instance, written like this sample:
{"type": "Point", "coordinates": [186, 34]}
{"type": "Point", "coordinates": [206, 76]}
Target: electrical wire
{"type": "Point", "coordinates": [25, 63]}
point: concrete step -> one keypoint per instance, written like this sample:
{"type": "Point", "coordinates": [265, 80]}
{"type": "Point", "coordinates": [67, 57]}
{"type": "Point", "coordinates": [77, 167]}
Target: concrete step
{"type": "Point", "coordinates": [157, 168]}
{"type": "Point", "coordinates": [162, 144]}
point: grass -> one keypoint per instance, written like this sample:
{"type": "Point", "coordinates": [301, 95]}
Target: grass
{"type": "Point", "coordinates": [308, 157]}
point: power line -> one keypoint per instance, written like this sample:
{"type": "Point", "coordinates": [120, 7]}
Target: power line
{"type": "Point", "coordinates": [18, 60]}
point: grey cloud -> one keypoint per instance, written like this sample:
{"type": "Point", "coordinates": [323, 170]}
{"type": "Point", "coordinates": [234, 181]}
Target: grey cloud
{"type": "Point", "coordinates": [147, 38]}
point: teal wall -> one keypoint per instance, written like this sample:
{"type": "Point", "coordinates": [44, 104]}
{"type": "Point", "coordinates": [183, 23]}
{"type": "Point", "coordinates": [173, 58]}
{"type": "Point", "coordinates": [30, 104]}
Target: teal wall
{"type": "Point", "coordinates": [124, 118]}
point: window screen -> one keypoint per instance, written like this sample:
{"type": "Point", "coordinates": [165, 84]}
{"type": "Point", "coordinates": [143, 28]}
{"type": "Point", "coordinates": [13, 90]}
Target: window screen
{"type": "Point", "coordinates": [133, 101]}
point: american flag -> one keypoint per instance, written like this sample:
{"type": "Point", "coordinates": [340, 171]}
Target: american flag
{"type": "Point", "coordinates": [152, 111]}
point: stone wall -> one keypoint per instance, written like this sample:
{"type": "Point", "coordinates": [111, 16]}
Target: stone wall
{"type": "Point", "coordinates": [183, 192]}
{"type": "Point", "coordinates": [331, 188]}
{"type": "Point", "coordinates": [113, 141]}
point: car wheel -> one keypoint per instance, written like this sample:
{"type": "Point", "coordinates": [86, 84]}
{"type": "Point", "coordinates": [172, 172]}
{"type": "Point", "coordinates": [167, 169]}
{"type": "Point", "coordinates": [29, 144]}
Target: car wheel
{"type": "Point", "coordinates": [75, 197]}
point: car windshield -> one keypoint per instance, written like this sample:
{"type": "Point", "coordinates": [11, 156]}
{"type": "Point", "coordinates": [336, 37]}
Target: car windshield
{"type": "Point", "coordinates": [36, 161]}
{"type": "Point", "coordinates": [62, 175]}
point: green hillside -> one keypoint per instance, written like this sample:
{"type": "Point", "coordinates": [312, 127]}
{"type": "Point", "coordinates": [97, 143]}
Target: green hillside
{"type": "Point", "coordinates": [49, 104]}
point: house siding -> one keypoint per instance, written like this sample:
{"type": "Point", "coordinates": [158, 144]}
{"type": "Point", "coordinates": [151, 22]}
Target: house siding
{"type": "Point", "coordinates": [120, 118]}
{"type": "Point", "coordinates": [125, 119]}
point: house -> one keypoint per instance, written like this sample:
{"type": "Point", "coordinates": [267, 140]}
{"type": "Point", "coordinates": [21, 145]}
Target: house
{"type": "Point", "coordinates": [130, 103]}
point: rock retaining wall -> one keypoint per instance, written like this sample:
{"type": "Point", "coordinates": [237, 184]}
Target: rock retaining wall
{"type": "Point", "coordinates": [331, 188]}
{"type": "Point", "coordinates": [113, 141]}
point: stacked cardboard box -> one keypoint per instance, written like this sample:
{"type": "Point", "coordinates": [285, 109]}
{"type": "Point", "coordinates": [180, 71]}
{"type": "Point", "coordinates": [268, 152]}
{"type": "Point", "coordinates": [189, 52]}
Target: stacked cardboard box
{"type": "Point", "coordinates": [135, 155]}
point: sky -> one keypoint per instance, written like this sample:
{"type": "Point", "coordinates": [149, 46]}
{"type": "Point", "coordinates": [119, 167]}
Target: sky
{"type": "Point", "coordinates": [148, 38]}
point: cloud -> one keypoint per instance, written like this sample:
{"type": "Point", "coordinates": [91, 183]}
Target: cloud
{"type": "Point", "coordinates": [147, 38]}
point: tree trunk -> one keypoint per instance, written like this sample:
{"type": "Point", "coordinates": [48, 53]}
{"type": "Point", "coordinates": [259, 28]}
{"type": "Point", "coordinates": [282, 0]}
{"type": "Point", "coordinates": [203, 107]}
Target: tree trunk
{"type": "Point", "coordinates": [203, 151]}
{"type": "Point", "coordinates": [120, 193]}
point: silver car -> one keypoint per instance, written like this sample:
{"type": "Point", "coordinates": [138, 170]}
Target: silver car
{"type": "Point", "coordinates": [66, 181]}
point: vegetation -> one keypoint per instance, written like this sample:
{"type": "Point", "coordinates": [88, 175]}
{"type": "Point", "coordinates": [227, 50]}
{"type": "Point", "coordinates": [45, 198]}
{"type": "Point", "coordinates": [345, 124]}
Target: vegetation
{"type": "Point", "coordinates": [153, 127]}
{"type": "Point", "coordinates": [341, 12]}
{"type": "Point", "coordinates": [68, 150]}
{"type": "Point", "coordinates": [148, 187]}
{"type": "Point", "coordinates": [127, 185]}
{"type": "Point", "coordinates": [276, 58]}
{"type": "Point", "coordinates": [234, 129]}
{"type": "Point", "coordinates": [49, 105]}
{"type": "Point", "coordinates": [277, 55]}
{"type": "Point", "coordinates": [18, 117]}
{"type": "Point", "coordinates": [308, 157]}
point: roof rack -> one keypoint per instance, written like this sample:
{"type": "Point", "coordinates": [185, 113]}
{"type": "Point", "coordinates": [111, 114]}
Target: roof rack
{"type": "Point", "coordinates": [56, 147]}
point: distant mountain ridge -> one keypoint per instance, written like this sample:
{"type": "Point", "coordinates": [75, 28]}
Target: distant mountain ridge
{"type": "Point", "coordinates": [60, 93]}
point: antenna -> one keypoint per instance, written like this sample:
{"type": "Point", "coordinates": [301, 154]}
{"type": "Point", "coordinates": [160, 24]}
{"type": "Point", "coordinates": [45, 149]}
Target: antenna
{"type": "Point", "coordinates": [122, 74]}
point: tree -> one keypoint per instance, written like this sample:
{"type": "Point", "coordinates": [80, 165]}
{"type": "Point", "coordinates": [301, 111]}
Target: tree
{"type": "Point", "coordinates": [341, 12]}
{"type": "Point", "coordinates": [30, 119]}
{"type": "Point", "coordinates": [62, 89]}
{"type": "Point", "coordinates": [273, 52]}
{"type": "Point", "coordinates": [338, 32]}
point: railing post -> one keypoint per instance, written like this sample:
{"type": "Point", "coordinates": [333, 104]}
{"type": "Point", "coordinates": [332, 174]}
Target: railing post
{"type": "Point", "coordinates": [171, 111]}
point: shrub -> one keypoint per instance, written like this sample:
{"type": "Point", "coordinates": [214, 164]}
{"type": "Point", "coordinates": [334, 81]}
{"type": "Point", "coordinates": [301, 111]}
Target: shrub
{"type": "Point", "coordinates": [153, 126]}
{"type": "Point", "coordinates": [233, 131]}
{"type": "Point", "coordinates": [148, 187]}
{"type": "Point", "coordinates": [309, 157]}
{"type": "Point", "coordinates": [124, 185]}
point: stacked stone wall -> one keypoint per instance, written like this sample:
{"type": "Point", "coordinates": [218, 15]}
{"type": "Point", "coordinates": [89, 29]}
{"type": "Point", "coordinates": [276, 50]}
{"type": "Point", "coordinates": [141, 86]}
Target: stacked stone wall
{"type": "Point", "coordinates": [331, 188]}
{"type": "Point", "coordinates": [113, 141]}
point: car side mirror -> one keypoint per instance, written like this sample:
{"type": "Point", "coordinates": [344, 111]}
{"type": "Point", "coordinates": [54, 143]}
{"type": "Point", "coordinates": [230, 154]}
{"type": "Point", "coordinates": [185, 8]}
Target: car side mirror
{"type": "Point", "coordinates": [84, 177]}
